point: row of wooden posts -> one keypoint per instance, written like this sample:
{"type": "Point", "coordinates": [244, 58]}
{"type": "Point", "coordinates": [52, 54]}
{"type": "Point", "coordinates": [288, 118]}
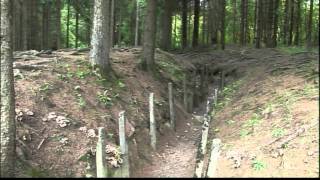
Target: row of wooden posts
{"type": "Point", "coordinates": [124, 170]}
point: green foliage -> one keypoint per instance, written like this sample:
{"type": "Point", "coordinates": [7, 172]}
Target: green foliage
{"type": "Point", "coordinates": [278, 132]}
{"type": "Point", "coordinates": [244, 132]}
{"type": "Point", "coordinates": [258, 165]}
{"type": "Point", "coordinates": [45, 87]}
{"type": "Point", "coordinates": [253, 121]}
{"type": "Point", "coordinates": [105, 98]}
{"type": "Point", "coordinates": [230, 121]}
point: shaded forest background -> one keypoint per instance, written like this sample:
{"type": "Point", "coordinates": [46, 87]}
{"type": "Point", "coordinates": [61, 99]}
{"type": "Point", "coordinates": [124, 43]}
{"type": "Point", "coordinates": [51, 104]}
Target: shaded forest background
{"type": "Point", "coordinates": [55, 24]}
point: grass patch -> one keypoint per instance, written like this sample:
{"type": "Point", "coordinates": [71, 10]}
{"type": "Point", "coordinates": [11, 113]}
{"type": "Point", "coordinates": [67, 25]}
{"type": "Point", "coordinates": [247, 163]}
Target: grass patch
{"type": "Point", "coordinates": [295, 49]}
{"type": "Point", "coordinates": [258, 165]}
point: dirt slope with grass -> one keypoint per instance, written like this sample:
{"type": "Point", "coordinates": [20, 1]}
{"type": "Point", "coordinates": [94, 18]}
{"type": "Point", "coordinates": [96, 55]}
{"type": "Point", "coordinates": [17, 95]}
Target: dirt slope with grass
{"type": "Point", "coordinates": [268, 119]}
{"type": "Point", "coordinates": [60, 103]}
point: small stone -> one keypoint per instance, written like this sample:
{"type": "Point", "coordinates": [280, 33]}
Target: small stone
{"type": "Point", "coordinates": [188, 124]}
{"type": "Point", "coordinates": [52, 116]}
{"type": "Point", "coordinates": [310, 153]}
{"type": "Point", "coordinates": [178, 136]}
{"type": "Point", "coordinates": [186, 131]}
{"type": "Point", "coordinates": [44, 119]}
{"type": "Point", "coordinates": [195, 129]}
{"type": "Point", "coordinates": [91, 133]}
{"type": "Point", "coordinates": [83, 129]}
{"type": "Point", "coordinates": [64, 141]}
{"type": "Point", "coordinates": [306, 161]}
{"type": "Point", "coordinates": [28, 112]}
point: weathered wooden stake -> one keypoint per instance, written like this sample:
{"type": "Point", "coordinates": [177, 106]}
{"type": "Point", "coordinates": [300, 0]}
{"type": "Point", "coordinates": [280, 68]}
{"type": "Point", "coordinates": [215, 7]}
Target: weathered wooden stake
{"type": "Point", "coordinates": [213, 161]}
{"type": "Point", "coordinates": [208, 107]}
{"type": "Point", "coordinates": [152, 123]}
{"type": "Point", "coordinates": [122, 133]}
{"type": "Point", "coordinates": [222, 81]}
{"type": "Point", "coordinates": [215, 97]}
{"type": "Point", "coordinates": [202, 147]}
{"type": "Point", "coordinates": [185, 92]}
{"type": "Point", "coordinates": [125, 172]}
{"type": "Point", "coordinates": [100, 154]}
{"type": "Point", "coordinates": [171, 103]}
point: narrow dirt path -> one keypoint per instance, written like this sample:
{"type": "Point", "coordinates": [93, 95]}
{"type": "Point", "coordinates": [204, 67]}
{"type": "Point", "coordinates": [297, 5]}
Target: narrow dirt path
{"type": "Point", "coordinates": [176, 152]}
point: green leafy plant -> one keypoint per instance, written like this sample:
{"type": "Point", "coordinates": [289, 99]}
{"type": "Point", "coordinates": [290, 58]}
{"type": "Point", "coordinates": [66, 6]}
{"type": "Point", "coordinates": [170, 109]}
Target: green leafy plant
{"type": "Point", "coordinates": [45, 87]}
{"type": "Point", "coordinates": [230, 121]}
{"type": "Point", "coordinates": [253, 121]}
{"type": "Point", "coordinates": [244, 133]}
{"type": "Point", "coordinates": [278, 132]}
{"type": "Point", "coordinates": [258, 165]}
{"type": "Point", "coordinates": [104, 98]}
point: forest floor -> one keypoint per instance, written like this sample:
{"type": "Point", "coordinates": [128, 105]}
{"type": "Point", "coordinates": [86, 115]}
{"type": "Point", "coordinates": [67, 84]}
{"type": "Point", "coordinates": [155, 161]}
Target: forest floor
{"type": "Point", "coordinates": [269, 96]}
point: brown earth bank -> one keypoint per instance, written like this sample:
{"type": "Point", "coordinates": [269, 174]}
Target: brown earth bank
{"type": "Point", "coordinates": [61, 102]}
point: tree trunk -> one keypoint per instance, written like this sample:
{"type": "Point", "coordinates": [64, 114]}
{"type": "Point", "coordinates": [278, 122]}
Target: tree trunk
{"type": "Point", "coordinates": [309, 28]}
{"type": "Point", "coordinates": [166, 25]}
{"type": "Point", "coordinates": [285, 22]}
{"type": "Point", "coordinates": [196, 23]}
{"type": "Point", "coordinates": [244, 22]}
{"type": "Point", "coordinates": [100, 40]}
{"type": "Point", "coordinates": [8, 128]}
{"type": "Point", "coordinates": [45, 24]}
{"type": "Point", "coordinates": [112, 23]}
{"type": "Point", "coordinates": [77, 28]}
{"type": "Point", "coordinates": [291, 3]}
{"type": "Point", "coordinates": [275, 23]}
{"type": "Point", "coordinates": [149, 36]}
{"type": "Point", "coordinates": [68, 23]}
{"type": "Point", "coordinates": [58, 25]}
{"type": "Point", "coordinates": [184, 23]}
{"type": "Point", "coordinates": [234, 17]}
{"type": "Point", "coordinates": [223, 8]}
{"type": "Point", "coordinates": [136, 39]}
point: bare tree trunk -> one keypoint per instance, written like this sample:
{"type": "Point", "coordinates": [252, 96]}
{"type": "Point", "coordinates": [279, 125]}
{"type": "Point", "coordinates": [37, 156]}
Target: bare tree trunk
{"type": "Point", "coordinates": [223, 7]}
{"type": "Point", "coordinates": [68, 23]}
{"type": "Point", "coordinates": [309, 28]}
{"type": "Point", "coordinates": [167, 25]}
{"type": "Point", "coordinates": [100, 40]}
{"type": "Point", "coordinates": [58, 25]}
{"type": "Point", "coordinates": [196, 23]}
{"type": "Point", "coordinates": [136, 40]}
{"type": "Point", "coordinates": [8, 128]}
{"type": "Point", "coordinates": [77, 26]}
{"type": "Point", "coordinates": [45, 24]}
{"type": "Point", "coordinates": [275, 23]}
{"type": "Point", "coordinates": [291, 3]}
{"type": "Point", "coordinates": [112, 23]}
{"type": "Point", "coordinates": [234, 17]}
{"type": "Point", "coordinates": [149, 36]}
{"type": "Point", "coordinates": [285, 22]}
{"type": "Point", "coordinates": [184, 23]}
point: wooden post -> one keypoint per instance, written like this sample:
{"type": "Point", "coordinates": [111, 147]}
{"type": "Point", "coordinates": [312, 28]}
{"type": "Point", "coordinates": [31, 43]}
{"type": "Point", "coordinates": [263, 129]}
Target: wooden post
{"type": "Point", "coordinates": [213, 161]}
{"type": "Point", "coordinates": [202, 147]}
{"type": "Point", "coordinates": [152, 123]}
{"type": "Point", "coordinates": [215, 97]}
{"type": "Point", "coordinates": [171, 103]}
{"type": "Point", "coordinates": [222, 81]}
{"type": "Point", "coordinates": [124, 170]}
{"type": "Point", "coordinates": [100, 154]}
{"type": "Point", "coordinates": [122, 133]}
{"type": "Point", "coordinates": [208, 107]}
{"type": "Point", "coordinates": [202, 83]}
{"type": "Point", "coordinates": [185, 92]}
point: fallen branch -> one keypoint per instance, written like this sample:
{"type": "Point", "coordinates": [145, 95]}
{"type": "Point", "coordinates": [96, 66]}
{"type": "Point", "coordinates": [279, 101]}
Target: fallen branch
{"type": "Point", "coordinates": [42, 141]}
{"type": "Point", "coordinates": [28, 67]}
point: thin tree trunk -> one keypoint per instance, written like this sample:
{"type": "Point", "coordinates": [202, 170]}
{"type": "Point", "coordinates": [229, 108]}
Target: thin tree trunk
{"type": "Point", "coordinates": [259, 21]}
{"type": "Point", "coordinates": [291, 22]}
{"type": "Point", "coordinates": [149, 37]}
{"type": "Point", "coordinates": [8, 128]}
{"type": "Point", "coordinates": [68, 23]}
{"type": "Point", "coordinates": [112, 23]}
{"type": "Point", "coordinates": [196, 23]}
{"type": "Point", "coordinates": [223, 8]}
{"type": "Point", "coordinates": [77, 27]}
{"type": "Point", "coordinates": [58, 25]}
{"type": "Point", "coordinates": [234, 14]}
{"type": "Point", "coordinates": [309, 28]}
{"type": "Point", "coordinates": [136, 39]}
{"type": "Point", "coordinates": [275, 22]}
{"type": "Point", "coordinates": [167, 25]}
{"type": "Point", "coordinates": [285, 22]}
{"type": "Point", "coordinates": [184, 23]}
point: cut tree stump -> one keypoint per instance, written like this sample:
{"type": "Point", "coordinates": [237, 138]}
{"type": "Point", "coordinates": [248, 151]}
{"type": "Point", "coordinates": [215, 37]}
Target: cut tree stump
{"type": "Point", "coordinates": [213, 161]}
